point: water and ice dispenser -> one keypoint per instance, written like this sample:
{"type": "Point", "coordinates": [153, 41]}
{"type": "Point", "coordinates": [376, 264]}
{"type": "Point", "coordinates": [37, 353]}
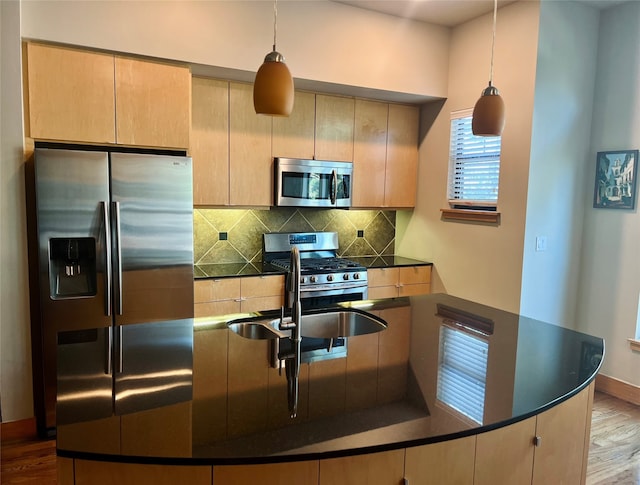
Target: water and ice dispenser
{"type": "Point", "coordinates": [72, 267]}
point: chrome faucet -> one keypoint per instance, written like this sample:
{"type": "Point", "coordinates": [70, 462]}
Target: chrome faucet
{"type": "Point", "coordinates": [292, 362]}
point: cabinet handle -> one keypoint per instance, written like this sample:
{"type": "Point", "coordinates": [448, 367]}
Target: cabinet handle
{"type": "Point", "coordinates": [537, 441]}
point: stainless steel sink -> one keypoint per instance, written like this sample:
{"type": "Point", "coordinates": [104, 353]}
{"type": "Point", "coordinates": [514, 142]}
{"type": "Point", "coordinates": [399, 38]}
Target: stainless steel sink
{"type": "Point", "coordinates": [260, 330]}
{"type": "Point", "coordinates": [345, 323]}
{"type": "Point", "coordinates": [326, 325]}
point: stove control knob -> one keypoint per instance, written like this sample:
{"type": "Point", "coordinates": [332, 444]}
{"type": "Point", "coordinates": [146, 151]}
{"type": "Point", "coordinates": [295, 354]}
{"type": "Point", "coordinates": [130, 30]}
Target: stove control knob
{"type": "Point", "coordinates": [346, 276]}
{"type": "Point", "coordinates": [330, 277]}
{"type": "Point", "coordinates": [313, 279]}
{"type": "Point", "coordinates": [356, 276]}
{"type": "Point", "coordinates": [303, 279]}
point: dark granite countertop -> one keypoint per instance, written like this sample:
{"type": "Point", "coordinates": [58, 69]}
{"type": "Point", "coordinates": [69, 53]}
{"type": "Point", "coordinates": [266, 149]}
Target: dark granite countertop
{"type": "Point", "coordinates": [229, 270]}
{"type": "Point", "coordinates": [393, 389]}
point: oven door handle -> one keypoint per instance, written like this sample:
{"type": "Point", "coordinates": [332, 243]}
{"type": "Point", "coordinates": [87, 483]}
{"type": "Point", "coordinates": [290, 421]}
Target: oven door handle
{"type": "Point", "coordinates": [334, 187]}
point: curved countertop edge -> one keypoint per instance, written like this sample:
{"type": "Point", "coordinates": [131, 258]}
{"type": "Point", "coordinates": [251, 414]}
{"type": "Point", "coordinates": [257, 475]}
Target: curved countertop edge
{"type": "Point", "coordinates": [195, 461]}
{"type": "Point", "coordinates": [257, 460]}
{"type": "Point", "coordinates": [240, 270]}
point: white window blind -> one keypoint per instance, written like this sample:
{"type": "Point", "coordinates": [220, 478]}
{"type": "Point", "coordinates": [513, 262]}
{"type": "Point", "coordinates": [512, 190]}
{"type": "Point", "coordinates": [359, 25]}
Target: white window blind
{"type": "Point", "coordinates": [462, 372]}
{"type": "Point", "coordinates": [474, 165]}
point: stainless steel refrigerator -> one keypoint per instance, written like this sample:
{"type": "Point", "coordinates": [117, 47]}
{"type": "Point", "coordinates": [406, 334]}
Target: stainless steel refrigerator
{"type": "Point", "coordinates": [115, 248]}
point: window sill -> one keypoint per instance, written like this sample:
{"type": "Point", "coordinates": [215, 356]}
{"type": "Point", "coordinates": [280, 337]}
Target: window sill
{"type": "Point", "coordinates": [635, 344]}
{"type": "Point", "coordinates": [492, 217]}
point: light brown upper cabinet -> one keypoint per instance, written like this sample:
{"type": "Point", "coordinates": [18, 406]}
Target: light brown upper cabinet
{"type": "Point", "coordinates": [83, 96]}
{"type": "Point", "coordinates": [402, 156]}
{"type": "Point", "coordinates": [210, 141]}
{"type": "Point", "coordinates": [250, 162]}
{"type": "Point", "coordinates": [385, 157]}
{"type": "Point", "coordinates": [70, 94]}
{"type": "Point", "coordinates": [334, 128]}
{"type": "Point", "coordinates": [369, 153]}
{"type": "Point", "coordinates": [153, 103]}
{"type": "Point", "coordinates": [293, 136]}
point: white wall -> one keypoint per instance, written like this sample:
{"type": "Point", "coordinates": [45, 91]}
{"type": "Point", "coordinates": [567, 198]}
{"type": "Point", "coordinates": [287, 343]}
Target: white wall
{"type": "Point", "coordinates": [475, 261]}
{"type": "Point", "coordinates": [15, 350]}
{"type": "Point", "coordinates": [321, 40]}
{"type": "Point", "coordinates": [560, 159]}
{"type": "Point", "coordinates": [610, 278]}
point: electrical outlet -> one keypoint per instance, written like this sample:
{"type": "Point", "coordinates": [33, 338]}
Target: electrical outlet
{"type": "Point", "coordinates": [541, 243]}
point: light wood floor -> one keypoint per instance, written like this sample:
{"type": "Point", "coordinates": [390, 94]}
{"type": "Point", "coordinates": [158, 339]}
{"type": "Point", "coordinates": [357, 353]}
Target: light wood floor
{"type": "Point", "coordinates": [614, 456]}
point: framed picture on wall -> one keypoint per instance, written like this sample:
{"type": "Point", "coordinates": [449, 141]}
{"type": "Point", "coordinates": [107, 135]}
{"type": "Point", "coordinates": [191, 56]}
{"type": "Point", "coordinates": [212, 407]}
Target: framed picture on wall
{"type": "Point", "coordinates": [615, 186]}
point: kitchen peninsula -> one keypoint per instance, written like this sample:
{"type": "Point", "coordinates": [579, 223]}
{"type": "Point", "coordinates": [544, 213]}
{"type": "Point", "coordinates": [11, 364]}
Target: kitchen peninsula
{"type": "Point", "coordinates": [450, 391]}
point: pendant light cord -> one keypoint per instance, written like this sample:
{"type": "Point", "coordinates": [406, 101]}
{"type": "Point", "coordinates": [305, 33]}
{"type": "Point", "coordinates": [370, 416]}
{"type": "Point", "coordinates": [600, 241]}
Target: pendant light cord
{"type": "Point", "coordinates": [493, 39]}
{"type": "Point", "coordinates": [275, 22]}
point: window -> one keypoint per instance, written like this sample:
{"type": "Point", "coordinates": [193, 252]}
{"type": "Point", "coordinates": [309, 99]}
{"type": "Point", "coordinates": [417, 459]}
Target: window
{"type": "Point", "coordinates": [474, 166]}
{"type": "Point", "coordinates": [462, 372]}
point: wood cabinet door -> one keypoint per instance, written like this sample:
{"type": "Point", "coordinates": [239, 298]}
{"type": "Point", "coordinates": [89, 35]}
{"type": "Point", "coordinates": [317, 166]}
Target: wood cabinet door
{"type": "Point", "coordinates": [208, 290]}
{"type": "Point", "coordinates": [369, 153]}
{"type": "Point", "coordinates": [334, 128]}
{"type": "Point", "coordinates": [209, 385]}
{"type": "Point", "coordinates": [402, 156]}
{"type": "Point", "coordinates": [385, 468]}
{"type": "Point", "coordinates": [257, 286]}
{"type": "Point", "coordinates": [248, 386]}
{"type": "Point", "coordinates": [153, 103]}
{"type": "Point", "coordinates": [210, 141]}
{"type": "Point", "coordinates": [298, 473]}
{"type": "Point", "coordinates": [293, 134]}
{"type": "Point", "coordinates": [559, 458]}
{"type": "Point", "coordinates": [414, 280]}
{"type": "Point", "coordinates": [250, 162]}
{"type": "Point", "coordinates": [383, 277]}
{"type": "Point", "coordinates": [70, 94]}
{"type": "Point", "coordinates": [505, 455]}
{"type": "Point", "coordinates": [449, 462]}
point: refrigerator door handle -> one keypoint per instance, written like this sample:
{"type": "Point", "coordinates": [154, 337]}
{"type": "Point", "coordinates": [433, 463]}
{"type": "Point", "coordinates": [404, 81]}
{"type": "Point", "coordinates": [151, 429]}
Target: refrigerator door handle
{"type": "Point", "coordinates": [119, 256]}
{"type": "Point", "coordinates": [107, 270]}
{"type": "Point", "coordinates": [120, 369]}
{"type": "Point", "coordinates": [108, 350]}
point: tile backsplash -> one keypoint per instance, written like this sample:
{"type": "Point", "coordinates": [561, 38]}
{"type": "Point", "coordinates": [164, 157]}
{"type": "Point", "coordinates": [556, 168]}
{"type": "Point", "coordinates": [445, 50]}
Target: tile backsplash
{"type": "Point", "coordinates": [235, 235]}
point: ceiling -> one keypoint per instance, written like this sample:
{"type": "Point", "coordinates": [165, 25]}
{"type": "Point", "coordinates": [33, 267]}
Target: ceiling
{"type": "Point", "coordinates": [446, 12]}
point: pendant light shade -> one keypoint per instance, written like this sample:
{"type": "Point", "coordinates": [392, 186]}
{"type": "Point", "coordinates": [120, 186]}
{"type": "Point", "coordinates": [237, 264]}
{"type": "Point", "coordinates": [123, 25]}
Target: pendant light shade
{"type": "Point", "coordinates": [489, 113]}
{"type": "Point", "coordinates": [273, 85]}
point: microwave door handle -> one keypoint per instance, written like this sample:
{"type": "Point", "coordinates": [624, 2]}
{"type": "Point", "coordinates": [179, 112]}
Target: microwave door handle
{"type": "Point", "coordinates": [107, 263]}
{"type": "Point", "coordinates": [334, 187]}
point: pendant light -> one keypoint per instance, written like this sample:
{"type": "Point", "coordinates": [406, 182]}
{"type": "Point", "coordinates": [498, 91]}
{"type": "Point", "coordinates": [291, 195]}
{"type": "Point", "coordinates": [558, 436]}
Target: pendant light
{"type": "Point", "coordinates": [488, 113]}
{"type": "Point", "coordinates": [273, 85]}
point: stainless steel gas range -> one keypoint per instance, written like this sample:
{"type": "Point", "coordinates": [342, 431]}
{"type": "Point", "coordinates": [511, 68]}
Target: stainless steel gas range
{"type": "Point", "coordinates": [325, 278]}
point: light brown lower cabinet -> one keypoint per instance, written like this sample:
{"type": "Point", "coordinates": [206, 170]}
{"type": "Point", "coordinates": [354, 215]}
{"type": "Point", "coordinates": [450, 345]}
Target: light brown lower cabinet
{"type": "Point", "coordinates": [234, 295]}
{"type": "Point", "coordinates": [449, 462]}
{"type": "Point", "coordinates": [398, 281]}
{"type": "Point", "coordinates": [299, 473]}
{"type": "Point", "coordinates": [383, 468]}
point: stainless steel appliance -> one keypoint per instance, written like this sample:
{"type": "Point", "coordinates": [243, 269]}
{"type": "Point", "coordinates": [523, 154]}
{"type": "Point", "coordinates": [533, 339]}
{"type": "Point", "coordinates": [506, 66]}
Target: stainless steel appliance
{"type": "Point", "coordinates": [324, 279]}
{"type": "Point", "coordinates": [312, 183]}
{"type": "Point", "coordinates": [115, 247]}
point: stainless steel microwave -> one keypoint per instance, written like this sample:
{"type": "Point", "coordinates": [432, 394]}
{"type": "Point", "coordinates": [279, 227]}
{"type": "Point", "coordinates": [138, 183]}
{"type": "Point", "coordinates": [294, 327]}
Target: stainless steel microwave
{"type": "Point", "coordinates": [312, 183]}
